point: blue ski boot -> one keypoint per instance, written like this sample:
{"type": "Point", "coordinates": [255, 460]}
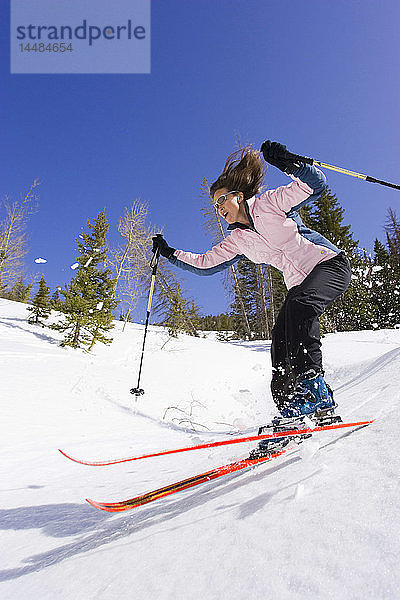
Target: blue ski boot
{"type": "Point", "coordinates": [312, 397]}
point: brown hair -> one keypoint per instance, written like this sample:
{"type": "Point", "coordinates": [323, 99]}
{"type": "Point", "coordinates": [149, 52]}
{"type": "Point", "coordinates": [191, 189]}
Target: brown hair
{"type": "Point", "coordinates": [244, 171]}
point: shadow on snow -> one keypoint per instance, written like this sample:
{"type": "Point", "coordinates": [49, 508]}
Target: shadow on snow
{"type": "Point", "coordinates": [98, 528]}
{"type": "Point", "coordinates": [41, 336]}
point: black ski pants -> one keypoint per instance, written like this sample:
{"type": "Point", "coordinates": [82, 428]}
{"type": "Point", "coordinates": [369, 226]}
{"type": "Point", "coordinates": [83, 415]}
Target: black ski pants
{"type": "Point", "coordinates": [296, 340]}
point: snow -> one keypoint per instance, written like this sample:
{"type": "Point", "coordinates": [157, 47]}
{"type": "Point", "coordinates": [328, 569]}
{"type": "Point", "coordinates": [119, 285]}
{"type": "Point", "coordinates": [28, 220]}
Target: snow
{"type": "Point", "coordinates": [321, 521]}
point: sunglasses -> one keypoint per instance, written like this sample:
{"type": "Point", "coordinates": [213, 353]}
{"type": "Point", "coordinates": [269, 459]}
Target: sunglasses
{"type": "Point", "coordinates": [220, 201]}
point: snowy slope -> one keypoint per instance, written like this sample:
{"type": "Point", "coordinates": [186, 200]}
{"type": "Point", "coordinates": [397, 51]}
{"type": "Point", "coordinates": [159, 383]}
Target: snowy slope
{"type": "Point", "coordinates": [319, 522]}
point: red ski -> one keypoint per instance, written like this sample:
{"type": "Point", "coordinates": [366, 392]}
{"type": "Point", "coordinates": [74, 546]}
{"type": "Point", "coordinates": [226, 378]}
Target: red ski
{"type": "Point", "coordinates": [253, 438]}
{"type": "Point", "coordinates": [173, 488]}
{"type": "Point", "coordinates": [182, 485]}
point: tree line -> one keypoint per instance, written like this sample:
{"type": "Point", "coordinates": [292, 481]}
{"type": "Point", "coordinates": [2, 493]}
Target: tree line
{"type": "Point", "coordinates": [107, 278]}
{"type": "Point", "coordinates": [112, 280]}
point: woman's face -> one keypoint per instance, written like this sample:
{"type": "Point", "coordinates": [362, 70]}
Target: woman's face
{"type": "Point", "coordinates": [231, 210]}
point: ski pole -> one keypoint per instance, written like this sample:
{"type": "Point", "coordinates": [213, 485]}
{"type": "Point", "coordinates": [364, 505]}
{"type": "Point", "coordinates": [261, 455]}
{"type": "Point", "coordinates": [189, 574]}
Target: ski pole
{"type": "Point", "coordinates": [137, 391]}
{"type": "Point", "coordinates": [318, 163]}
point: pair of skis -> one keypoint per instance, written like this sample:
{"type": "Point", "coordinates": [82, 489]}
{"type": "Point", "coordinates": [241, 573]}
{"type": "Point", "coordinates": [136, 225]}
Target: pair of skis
{"type": "Point", "coordinates": [208, 475]}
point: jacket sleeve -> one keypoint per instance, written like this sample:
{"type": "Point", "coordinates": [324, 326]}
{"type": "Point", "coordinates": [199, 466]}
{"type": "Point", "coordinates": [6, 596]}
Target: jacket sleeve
{"type": "Point", "coordinates": [220, 257]}
{"type": "Point", "coordinates": [307, 185]}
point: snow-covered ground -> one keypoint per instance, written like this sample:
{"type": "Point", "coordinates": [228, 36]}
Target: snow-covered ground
{"type": "Point", "coordinates": [322, 521]}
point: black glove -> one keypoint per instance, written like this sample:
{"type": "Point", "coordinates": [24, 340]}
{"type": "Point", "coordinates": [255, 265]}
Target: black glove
{"type": "Point", "coordinates": [160, 244]}
{"type": "Point", "coordinates": [277, 155]}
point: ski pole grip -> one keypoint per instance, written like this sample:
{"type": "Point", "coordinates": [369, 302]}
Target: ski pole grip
{"type": "Point", "coordinates": [156, 256]}
{"type": "Point", "coordinates": [304, 159]}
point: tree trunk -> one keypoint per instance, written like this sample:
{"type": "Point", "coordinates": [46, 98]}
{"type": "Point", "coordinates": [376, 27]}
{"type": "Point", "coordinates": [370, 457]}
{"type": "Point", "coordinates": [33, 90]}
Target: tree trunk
{"type": "Point", "coordinates": [263, 303]}
{"type": "Point", "coordinates": [271, 297]}
{"type": "Point", "coordinates": [242, 306]}
{"type": "Point", "coordinates": [75, 341]}
{"type": "Point", "coordinates": [94, 338]}
{"type": "Point", "coordinates": [119, 270]}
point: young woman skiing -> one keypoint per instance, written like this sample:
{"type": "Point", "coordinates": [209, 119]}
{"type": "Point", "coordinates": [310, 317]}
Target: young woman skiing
{"type": "Point", "coordinates": [267, 229]}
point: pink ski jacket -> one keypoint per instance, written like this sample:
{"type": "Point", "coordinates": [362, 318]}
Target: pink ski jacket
{"type": "Point", "coordinates": [276, 235]}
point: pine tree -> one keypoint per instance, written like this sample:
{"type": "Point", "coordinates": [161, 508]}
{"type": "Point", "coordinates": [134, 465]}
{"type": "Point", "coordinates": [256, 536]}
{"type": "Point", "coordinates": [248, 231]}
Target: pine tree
{"type": "Point", "coordinates": [174, 318]}
{"type": "Point", "coordinates": [20, 292]}
{"type": "Point", "coordinates": [56, 302]}
{"type": "Point", "coordinates": [393, 235]}
{"type": "Point", "coordinates": [277, 291]}
{"type": "Point", "coordinates": [193, 314]}
{"type": "Point", "coordinates": [169, 291]}
{"type": "Point", "coordinates": [385, 288]}
{"type": "Point", "coordinates": [325, 215]}
{"type": "Point", "coordinates": [75, 314]}
{"type": "Point", "coordinates": [353, 310]}
{"type": "Point", "coordinates": [245, 301]}
{"type": "Point", "coordinates": [41, 304]}
{"type": "Point", "coordinates": [222, 322]}
{"type": "Point", "coordinates": [89, 297]}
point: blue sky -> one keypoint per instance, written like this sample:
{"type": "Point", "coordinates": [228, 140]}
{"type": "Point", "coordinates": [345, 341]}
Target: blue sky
{"type": "Point", "coordinates": [321, 77]}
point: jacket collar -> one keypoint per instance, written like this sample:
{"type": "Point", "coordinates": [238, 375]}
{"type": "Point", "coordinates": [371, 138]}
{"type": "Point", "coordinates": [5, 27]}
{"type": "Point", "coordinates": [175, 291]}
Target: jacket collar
{"type": "Point", "coordinates": [250, 218]}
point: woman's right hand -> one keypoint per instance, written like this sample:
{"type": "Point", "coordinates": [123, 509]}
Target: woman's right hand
{"type": "Point", "coordinates": [159, 244]}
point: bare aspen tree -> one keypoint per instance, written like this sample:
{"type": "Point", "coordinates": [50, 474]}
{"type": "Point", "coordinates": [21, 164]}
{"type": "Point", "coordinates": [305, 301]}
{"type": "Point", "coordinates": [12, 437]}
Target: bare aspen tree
{"type": "Point", "coordinates": [130, 263]}
{"type": "Point", "coordinates": [132, 228]}
{"type": "Point", "coordinates": [128, 260]}
{"type": "Point", "coordinates": [13, 235]}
